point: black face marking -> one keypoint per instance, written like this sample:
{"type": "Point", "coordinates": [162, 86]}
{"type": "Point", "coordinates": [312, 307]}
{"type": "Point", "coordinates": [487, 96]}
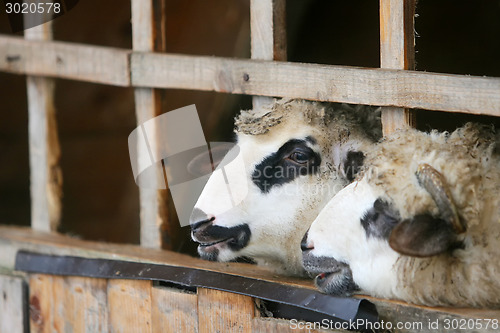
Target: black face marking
{"type": "Point", "coordinates": [380, 220]}
{"type": "Point", "coordinates": [353, 164]}
{"type": "Point", "coordinates": [311, 140]}
{"type": "Point", "coordinates": [293, 159]}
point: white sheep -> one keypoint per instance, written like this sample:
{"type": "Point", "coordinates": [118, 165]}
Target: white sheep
{"type": "Point", "coordinates": [421, 223]}
{"type": "Point", "coordinates": [289, 150]}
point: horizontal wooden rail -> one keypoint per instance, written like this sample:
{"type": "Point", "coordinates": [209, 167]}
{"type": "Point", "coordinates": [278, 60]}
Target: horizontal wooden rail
{"type": "Point", "coordinates": [384, 87]}
{"type": "Point", "coordinates": [65, 60]}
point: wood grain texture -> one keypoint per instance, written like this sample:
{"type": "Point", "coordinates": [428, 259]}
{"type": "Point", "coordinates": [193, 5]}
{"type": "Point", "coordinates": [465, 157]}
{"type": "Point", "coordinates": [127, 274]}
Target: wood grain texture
{"type": "Point", "coordinates": [44, 149]}
{"type": "Point", "coordinates": [43, 291]}
{"type": "Point", "coordinates": [84, 306]}
{"type": "Point", "coordinates": [45, 154]}
{"type": "Point", "coordinates": [65, 60]}
{"type": "Point", "coordinates": [173, 310]}
{"type": "Point", "coordinates": [13, 239]}
{"type": "Point", "coordinates": [152, 201]}
{"type": "Point", "coordinates": [220, 311]}
{"type": "Point", "coordinates": [268, 29]}
{"type": "Point", "coordinates": [397, 51]}
{"type": "Point", "coordinates": [158, 228]}
{"type": "Point", "coordinates": [13, 305]}
{"type": "Point", "coordinates": [129, 305]}
{"type": "Point", "coordinates": [397, 37]}
{"type": "Point", "coordinates": [268, 35]}
{"type": "Point", "coordinates": [384, 87]}
{"type": "Point", "coordinates": [67, 304]}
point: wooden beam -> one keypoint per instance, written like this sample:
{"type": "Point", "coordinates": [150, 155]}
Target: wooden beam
{"type": "Point", "coordinates": [397, 51]}
{"type": "Point", "coordinates": [384, 87]}
{"type": "Point", "coordinates": [268, 34]}
{"type": "Point", "coordinates": [44, 149]}
{"type": "Point", "coordinates": [158, 227]}
{"type": "Point", "coordinates": [95, 64]}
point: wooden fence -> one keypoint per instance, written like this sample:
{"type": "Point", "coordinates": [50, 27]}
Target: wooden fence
{"type": "Point", "coordinates": [396, 86]}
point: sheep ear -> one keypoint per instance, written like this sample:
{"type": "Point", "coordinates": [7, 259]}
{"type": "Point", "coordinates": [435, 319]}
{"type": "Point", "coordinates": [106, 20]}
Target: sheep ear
{"type": "Point", "coordinates": [422, 236]}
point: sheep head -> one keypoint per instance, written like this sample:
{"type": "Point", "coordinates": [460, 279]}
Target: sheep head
{"type": "Point", "coordinates": [290, 171]}
{"type": "Point", "coordinates": [400, 205]}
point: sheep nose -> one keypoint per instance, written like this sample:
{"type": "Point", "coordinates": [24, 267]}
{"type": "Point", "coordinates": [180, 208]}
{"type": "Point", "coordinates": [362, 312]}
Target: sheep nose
{"type": "Point", "coordinates": [303, 244]}
{"type": "Point", "coordinates": [199, 218]}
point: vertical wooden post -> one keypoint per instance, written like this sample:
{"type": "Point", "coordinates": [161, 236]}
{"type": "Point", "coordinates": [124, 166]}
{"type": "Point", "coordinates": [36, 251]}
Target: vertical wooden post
{"type": "Point", "coordinates": [148, 24]}
{"type": "Point", "coordinates": [397, 51]}
{"type": "Point", "coordinates": [268, 34]}
{"type": "Point", "coordinates": [44, 149]}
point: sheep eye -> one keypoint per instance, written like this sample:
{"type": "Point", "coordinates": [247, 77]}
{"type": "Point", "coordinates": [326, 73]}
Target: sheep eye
{"type": "Point", "coordinates": [299, 157]}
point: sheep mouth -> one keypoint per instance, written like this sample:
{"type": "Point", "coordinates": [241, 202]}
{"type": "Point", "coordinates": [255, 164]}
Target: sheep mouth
{"type": "Point", "coordinates": [207, 246]}
{"type": "Point", "coordinates": [330, 275]}
{"type": "Point", "coordinates": [323, 280]}
{"type": "Point", "coordinates": [213, 239]}
{"type": "Point", "coordinates": [337, 283]}
{"type": "Point", "coordinates": [214, 243]}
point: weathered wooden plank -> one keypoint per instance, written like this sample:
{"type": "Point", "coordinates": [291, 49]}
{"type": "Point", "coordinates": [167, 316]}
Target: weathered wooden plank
{"type": "Point", "coordinates": [13, 305]}
{"type": "Point", "coordinates": [152, 200]}
{"type": "Point", "coordinates": [157, 229]}
{"type": "Point", "coordinates": [84, 307]}
{"type": "Point", "coordinates": [384, 87]}
{"type": "Point", "coordinates": [45, 153]}
{"type": "Point", "coordinates": [45, 171]}
{"type": "Point", "coordinates": [173, 310]}
{"type": "Point", "coordinates": [268, 29]}
{"type": "Point", "coordinates": [220, 311]}
{"type": "Point", "coordinates": [68, 304]}
{"type": "Point", "coordinates": [41, 303]}
{"type": "Point", "coordinates": [13, 239]}
{"type": "Point", "coordinates": [129, 305]}
{"type": "Point", "coordinates": [268, 34]}
{"type": "Point", "coordinates": [397, 51]}
{"type": "Point", "coordinates": [65, 60]}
